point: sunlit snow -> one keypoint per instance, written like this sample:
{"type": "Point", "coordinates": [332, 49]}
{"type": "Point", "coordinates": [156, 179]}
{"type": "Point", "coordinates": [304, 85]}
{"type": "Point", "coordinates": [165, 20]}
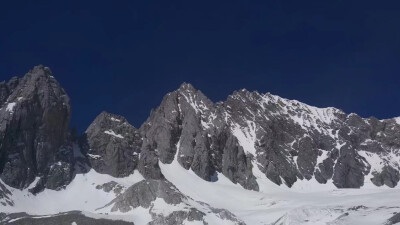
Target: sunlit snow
{"type": "Point", "coordinates": [111, 132]}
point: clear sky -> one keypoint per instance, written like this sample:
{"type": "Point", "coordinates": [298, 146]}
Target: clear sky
{"type": "Point", "coordinates": [124, 56]}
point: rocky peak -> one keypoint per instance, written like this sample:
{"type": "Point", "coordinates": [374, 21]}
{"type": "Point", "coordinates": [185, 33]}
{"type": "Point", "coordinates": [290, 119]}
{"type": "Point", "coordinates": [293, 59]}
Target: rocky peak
{"type": "Point", "coordinates": [186, 87]}
{"type": "Point", "coordinates": [34, 125]}
{"type": "Point", "coordinates": [189, 98]}
{"type": "Point", "coordinates": [41, 82]}
{"type": "Point", "coordinates": [114, 145]}
{"type": "Point", "coordinates": [107, 121]}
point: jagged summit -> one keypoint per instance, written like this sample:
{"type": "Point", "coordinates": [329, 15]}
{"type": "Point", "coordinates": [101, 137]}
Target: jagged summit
{"type": "Point", "coordinates": [186, 86]}
{"type": "Point", "coordinates": [114, 145]}
{"type": "Point", "coordinates": [34, 124]}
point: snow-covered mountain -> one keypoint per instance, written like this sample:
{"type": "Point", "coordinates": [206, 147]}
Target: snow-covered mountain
{"type": "Point", "coordinates": [252, 159]}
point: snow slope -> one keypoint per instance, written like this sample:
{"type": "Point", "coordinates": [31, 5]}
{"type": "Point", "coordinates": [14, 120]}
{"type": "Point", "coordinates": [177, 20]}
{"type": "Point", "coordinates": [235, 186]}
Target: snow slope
{"type": "Point", "coordinates": [307, 202]}
{"type": "Point", "coordinates": [288, 206]}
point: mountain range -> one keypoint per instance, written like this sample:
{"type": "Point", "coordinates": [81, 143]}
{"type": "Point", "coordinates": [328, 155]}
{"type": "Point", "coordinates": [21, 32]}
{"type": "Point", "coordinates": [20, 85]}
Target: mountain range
{"type": "Point", "coordinates": [252, 159]}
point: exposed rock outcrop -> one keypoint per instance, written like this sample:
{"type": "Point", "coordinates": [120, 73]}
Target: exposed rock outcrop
{"type": "Point", "coordinates": [34, 120]}
{"type": "Point", "coordinates": [114, 145]}
{"type": "Point", "coordinates": [167, 205]}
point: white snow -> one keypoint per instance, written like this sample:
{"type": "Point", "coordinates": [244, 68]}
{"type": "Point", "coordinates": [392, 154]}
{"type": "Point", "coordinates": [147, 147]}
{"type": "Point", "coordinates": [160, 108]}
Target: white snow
{"type": "Point", "coordinates": [10, 107]}
{"type": "Point", "coordinates": [160, 207]}
{"type": "Point", "coordinates": [322, 157]}
{"type": "Point", "coordinates": [306, 203]}
{"type": "Point", "coordinates": [80, 194]}
{"type": "Point", "coordinates": [112, 133]}
{"type": "Point", "coordinates": [246, 136]}
{"type": "Point", "coordinates": [140, 216]}
{"type": "Point", "coordinates": [190, 98]}
{"type": "Point", "coordinates": [397, 119]}
{"type": "Point", "coordinates": [312, 205]}
{"type": "Point", "coordinates": [304, 115]}
{"type": "Point", "coordinates": [94, 156]}
{"type": "Point", "coordinates": [114, 119]}
{"type": "Point", "coordinates": [374, 160]}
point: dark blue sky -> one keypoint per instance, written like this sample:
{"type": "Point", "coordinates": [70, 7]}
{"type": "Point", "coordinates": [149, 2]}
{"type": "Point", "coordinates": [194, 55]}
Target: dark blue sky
{"type": "Point", "coordinates": [124, 56]}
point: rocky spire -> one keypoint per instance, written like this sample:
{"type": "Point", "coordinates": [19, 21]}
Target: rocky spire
{"type": "Point", "coordinates": [114, 145]}
{"type": "Point", "coordinates": [34, 124]}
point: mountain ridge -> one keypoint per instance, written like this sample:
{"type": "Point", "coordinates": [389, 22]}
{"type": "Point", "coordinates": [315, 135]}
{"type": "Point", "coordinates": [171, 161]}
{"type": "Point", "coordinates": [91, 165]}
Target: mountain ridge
{"type": "Point", "coordinates": [248, 140]}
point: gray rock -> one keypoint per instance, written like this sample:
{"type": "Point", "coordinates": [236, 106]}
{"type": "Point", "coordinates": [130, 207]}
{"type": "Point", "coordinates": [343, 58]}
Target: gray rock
{"type": "Point", "coordinates": [144, 194]}
{"type": "Point", "coordinates": [292, 140]}
{"type": "Point", "coordinates": [114, 145]}
{"type": "Point", "coordinates": [395, 219]}
{"type": "Point", "coordinates": [59, 173]}
{"type": "Point", "coordinates": [5, 196]}
{"type": "Point", "coordinates": [237, 165]}
{"type": "Point", "coordinates": [34, 119]}
{"type": "Point", "coordinates": [66, 218]}
{"type": "Point", "coordinates": [286, 139]}
{"type": "Point", "coordinates": [349, 169]}
{"type": "Point", "coordinates": [188, 117]}
{"type": "Point", "coordinates": [111, 186]}
{"type": "Point", "coordinates": [388, 176]}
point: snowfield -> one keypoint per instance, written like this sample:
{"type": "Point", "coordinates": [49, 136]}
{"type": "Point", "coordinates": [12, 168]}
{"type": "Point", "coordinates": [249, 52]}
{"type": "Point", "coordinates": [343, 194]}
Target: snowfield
{"type": "Point", "coordinates": [305, 203]}
{"type": "Point", "coordinates": [282, 205]}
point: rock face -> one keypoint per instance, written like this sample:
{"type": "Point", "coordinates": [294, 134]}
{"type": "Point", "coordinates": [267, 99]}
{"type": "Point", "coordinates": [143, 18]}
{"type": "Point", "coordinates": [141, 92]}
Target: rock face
{"type": "Point", "coordinates": [5, 196]}
{"type": "Point", "coordinates": [144, 193]}
{"type": "Point", "coordinates": [67, 218]}
{"type": "Point", "coordinates": [249, 136]}
{"type": "Point", "coordinates": [285, 139]}
{"type": "Point", "coordinates": [34, 120]}
{"type": "Point", "coordinates": [192, 128]}
{"type": "Point", "coordinates": [114, 145]}
{"type": "Point", "coordinates": [160, 195]}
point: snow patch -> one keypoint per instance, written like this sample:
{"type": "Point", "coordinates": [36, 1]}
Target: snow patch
{"type": "Point", "coordinates": [112, 133]}
{"type": "Point", "coordinates": [114, 119]}
{"type": "Point", "coordinates": [322, 157]}
{"type": "Point", "coordinates": [246, 136]}
{"type": "Point", "coordinates": [374, 160]}
{"type": "Point", "coordinates": [10, 107]}
{"type": "Point", "coordinates": [160, 207]}
{"type": "Point", "coordinates": [94, 156]}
